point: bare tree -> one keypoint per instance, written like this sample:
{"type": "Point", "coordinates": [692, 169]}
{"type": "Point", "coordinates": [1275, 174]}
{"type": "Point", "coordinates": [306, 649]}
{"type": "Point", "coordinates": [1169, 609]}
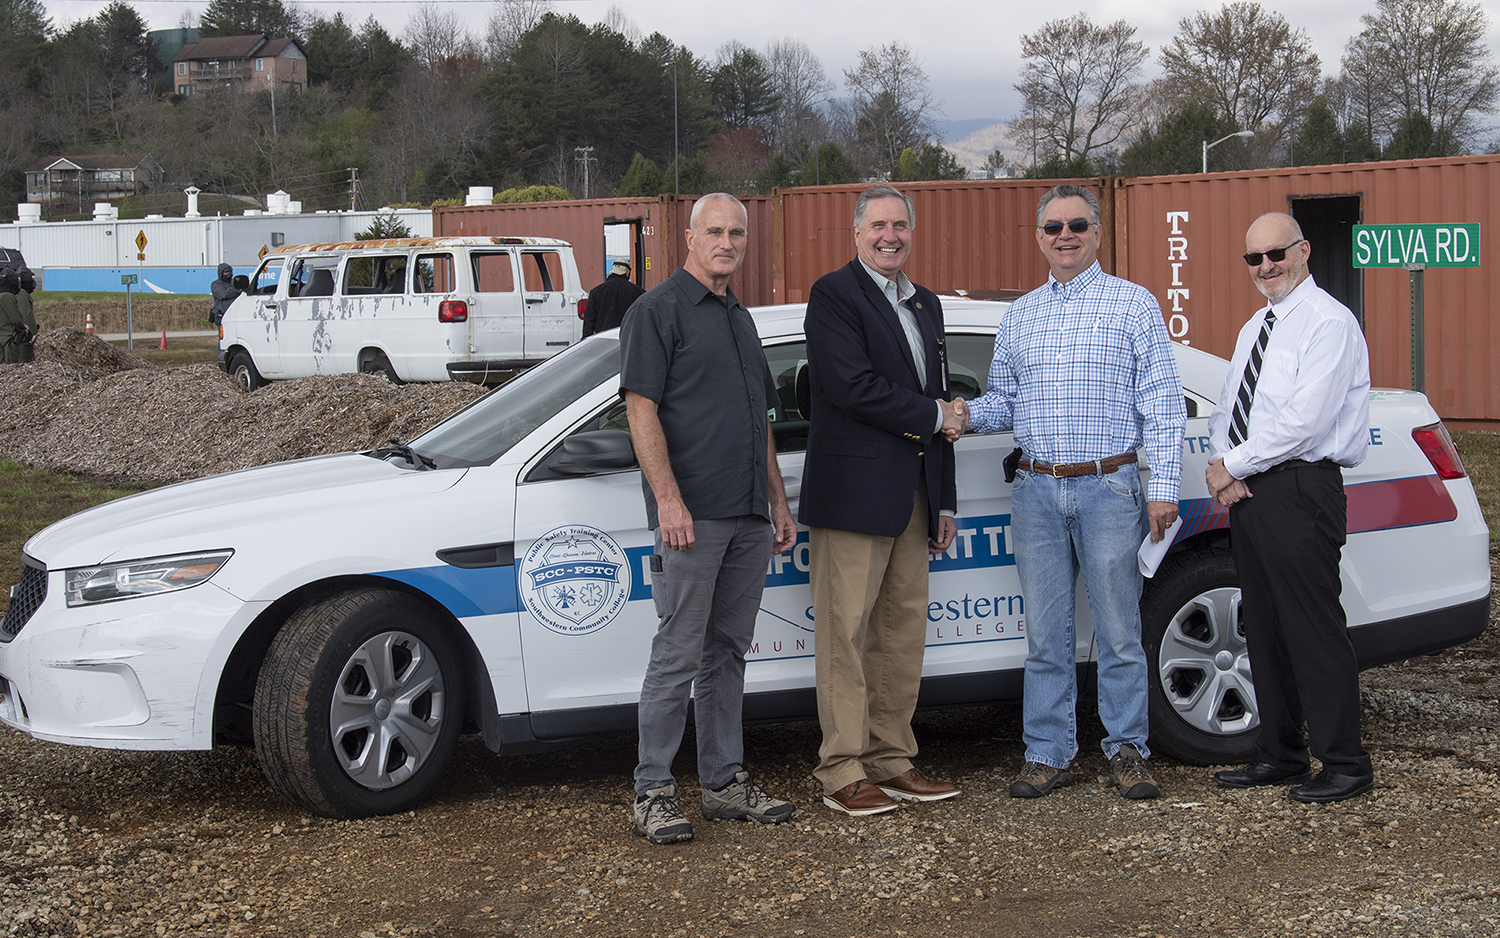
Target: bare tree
{"type": "Point", "coordinates": [616, 19]}
{"type": "Point", "coordinates": [802, 88]}
{"type": "Point", "coordinates": [892, 105]}
{"type": "Point", "coordinates": [434, 122]}
{"type": "Point", "coordinates": [1249, 65]}
{"type": "Point", "coordinates": [1080, 86]}
{"type": "Point", "coordinates": [436, 35]}
{"type": "Point", "coordinates": [1430, 58]}
{"type": "Point", "coordinates": [509, 21]}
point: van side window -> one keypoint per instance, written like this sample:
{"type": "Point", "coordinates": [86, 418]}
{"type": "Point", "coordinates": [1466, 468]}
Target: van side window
{"type": "Point", "coordinates": [268, 277]}
{"type": "Point", "coordinates": [493, 272]}
{"type": "Point", "coordinates": [383, 274]}
{"type": "Point", "coordinates": [543, 271]}
{"type": "Point", "coordinates": [313, 276]}
{"type": "Point", "coordinates": [433, 274]}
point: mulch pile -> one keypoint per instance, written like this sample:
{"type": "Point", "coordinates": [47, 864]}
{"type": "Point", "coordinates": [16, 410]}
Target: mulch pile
{"type": "Point", "coordinates": [87, 407]}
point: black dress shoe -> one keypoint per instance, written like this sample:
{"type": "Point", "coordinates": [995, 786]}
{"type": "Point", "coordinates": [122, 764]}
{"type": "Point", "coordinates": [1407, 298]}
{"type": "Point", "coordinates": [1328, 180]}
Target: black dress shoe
{"type": "Point", "coordinates": [1331, 786]}
{"type": "Point", "coordinates": [1261, 773]}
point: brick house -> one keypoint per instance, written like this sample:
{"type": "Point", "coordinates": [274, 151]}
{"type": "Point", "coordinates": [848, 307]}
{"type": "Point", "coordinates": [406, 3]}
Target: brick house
{"type": "Point", "coordinates": [249, 63]}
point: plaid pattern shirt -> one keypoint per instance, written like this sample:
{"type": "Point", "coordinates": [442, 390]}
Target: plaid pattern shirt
{"type": "Point", "coordinates": [1084, 370]}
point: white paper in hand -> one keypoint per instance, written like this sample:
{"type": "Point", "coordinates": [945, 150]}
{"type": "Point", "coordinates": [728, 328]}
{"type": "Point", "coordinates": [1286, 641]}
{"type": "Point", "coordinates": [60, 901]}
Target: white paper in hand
{"type": "Point", "coordinates": [1151, 552]}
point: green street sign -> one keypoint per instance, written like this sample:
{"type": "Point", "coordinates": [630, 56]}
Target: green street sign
{"type": "Point", "coordinates": [128, 278]}
{"type": "Point", "coordinates": [1417, 246]}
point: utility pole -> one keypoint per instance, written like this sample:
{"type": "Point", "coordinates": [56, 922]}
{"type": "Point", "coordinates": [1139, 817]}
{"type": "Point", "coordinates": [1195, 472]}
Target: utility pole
{"type": "Point", "coordinates": [585, 157]}
{"type": "Point", "coordinates": [353, 186]}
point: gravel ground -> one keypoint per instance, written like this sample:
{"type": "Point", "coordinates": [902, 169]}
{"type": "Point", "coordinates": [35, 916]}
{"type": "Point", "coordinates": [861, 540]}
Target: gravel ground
{"type": "Point", "coordinates": [126, 843]}
{"type": "Point", "coordinates": [102, 843]}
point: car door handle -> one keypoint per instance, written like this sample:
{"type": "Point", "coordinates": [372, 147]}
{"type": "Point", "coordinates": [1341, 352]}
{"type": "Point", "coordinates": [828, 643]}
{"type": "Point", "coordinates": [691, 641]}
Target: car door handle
{"type": "Point", "coordinates": [536, 299]}
{"type": "Point", "coordinates": [792, 485]}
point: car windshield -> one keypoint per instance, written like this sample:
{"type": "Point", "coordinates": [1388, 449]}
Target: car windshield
{"type": "Point", "coordinates": [486, 430]}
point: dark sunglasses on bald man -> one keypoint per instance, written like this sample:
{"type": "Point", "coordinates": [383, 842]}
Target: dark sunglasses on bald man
{"type": "Point", "coordinates": [1277, 255]}
{"type": "Point", "coordinates": [1077, 226]}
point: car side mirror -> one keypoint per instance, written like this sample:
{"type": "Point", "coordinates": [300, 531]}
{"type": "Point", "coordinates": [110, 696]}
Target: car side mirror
{"type": "Point", "coordinates": [593, 451]}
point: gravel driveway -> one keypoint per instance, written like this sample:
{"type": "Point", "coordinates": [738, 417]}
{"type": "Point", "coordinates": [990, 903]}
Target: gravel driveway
{"type": "Point", "coordinates": [125, 843]}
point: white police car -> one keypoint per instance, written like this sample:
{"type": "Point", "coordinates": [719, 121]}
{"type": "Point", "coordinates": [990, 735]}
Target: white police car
{"type": "Point", "coordinates": [351, 614]}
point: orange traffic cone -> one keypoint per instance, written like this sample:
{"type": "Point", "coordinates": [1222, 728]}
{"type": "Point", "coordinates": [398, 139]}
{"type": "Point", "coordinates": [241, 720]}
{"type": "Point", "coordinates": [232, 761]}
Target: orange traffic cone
{"type": "Point", "coordinates": [163, 345]}
{"type": "Point", "coordinates": [88, 323]}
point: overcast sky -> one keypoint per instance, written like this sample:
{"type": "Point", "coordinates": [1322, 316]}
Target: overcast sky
{"type": "Point", "coordinates": [969, 48]}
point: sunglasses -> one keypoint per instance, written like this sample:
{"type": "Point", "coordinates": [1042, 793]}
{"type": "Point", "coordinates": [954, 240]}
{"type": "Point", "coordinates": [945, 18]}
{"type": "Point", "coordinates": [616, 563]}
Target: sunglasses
{"type": "Point", "coordinates": [1277, 255]}
{"type": "Point", "coordinates": [1077, 226]}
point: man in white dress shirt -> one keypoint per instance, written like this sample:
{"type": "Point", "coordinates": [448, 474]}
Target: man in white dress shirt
{"type": "Point", "coordinates": [1294, 409]}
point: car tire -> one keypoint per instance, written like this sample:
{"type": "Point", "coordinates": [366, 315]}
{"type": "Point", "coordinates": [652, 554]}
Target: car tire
{"type": "Point", "coordinates": [1203, 709]}
{"type": "Point", "coordinates": [375, 363]}
{"type": "Point", "coordinates": [242, 369]}
{"type": "Point", "coordinates": [359, 704]}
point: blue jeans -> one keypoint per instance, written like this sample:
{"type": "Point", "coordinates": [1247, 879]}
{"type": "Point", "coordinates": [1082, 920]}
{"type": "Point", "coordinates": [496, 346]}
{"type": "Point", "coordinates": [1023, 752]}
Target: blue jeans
{"type": "Point", "coordinates": [708, 598]}
{"type": "Point", "coordinates": [1092, 524]}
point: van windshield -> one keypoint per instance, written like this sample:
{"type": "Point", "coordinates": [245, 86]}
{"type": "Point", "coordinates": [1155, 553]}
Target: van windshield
{"type": "Point", "coordinates": [487, 429]}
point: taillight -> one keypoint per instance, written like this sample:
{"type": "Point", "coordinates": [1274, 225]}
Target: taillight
{"type": "Point", "coordinates": [453, 311]}
{"type": "Point", "coordinates": [581, 304]}
{"type": "Point", "coordinates": [1438, 446]}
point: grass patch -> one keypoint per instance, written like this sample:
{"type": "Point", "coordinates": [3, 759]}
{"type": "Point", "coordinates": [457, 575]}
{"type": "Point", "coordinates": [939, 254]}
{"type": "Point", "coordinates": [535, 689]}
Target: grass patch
{"type": "Point", "coordinates": [1481, 456]}
{"type": "Point", "coordinates": [194, 350]}
{"type": "Point", "coordinates": [30, 500]}
{"type": "Point", "coordinates": [149, 312]}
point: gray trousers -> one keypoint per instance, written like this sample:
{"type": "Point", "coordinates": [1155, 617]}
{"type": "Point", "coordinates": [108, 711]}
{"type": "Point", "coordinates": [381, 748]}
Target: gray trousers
{"type": "Point", "coordinates": [708, 598]}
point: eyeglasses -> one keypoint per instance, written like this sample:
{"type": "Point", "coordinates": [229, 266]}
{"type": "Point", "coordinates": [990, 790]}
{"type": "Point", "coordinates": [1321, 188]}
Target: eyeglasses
{"type": "Point", "coordinates": [1277, 255]}
{"type": "Point", "coordinates": [1077, 226]}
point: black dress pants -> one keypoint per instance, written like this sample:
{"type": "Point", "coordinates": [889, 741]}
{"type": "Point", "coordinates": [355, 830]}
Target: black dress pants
{"type": "Point", "coordinates": [1286, 542]}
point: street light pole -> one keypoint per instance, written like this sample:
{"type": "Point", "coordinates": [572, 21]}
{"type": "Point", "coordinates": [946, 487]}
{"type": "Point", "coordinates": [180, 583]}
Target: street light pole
{"type": "Point", "coordinates": [1209, 146]}
{"type": "Point", "coordinates": [676, 156]}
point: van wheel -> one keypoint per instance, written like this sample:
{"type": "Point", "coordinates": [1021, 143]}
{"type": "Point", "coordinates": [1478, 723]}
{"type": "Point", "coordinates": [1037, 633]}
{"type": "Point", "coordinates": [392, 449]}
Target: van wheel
{"type": "Point", "coordinates": [242, 370]}
{"type": "Point", "coordinates": [1203, 708]}
{"type": "Point", "coordinates": [375, 363]}
{"type": "Point", "coordinates": [358, 705]}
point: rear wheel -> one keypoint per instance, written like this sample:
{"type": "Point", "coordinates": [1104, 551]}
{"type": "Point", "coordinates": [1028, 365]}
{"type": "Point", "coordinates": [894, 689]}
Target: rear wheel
{"type": "Point", "coordinates": [242, 369]}
{"type": "Point", "coordinates": [374, 362]}
{"type": "Point", "coordinates": [1203, 708]}
{"type": "Point", "coordinates": [359, 704]}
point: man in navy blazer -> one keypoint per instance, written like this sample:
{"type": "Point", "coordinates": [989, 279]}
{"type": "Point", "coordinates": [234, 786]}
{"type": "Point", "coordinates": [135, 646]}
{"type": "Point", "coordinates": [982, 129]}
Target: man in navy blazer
{"type": "Point", "coordinates": [878, 494]}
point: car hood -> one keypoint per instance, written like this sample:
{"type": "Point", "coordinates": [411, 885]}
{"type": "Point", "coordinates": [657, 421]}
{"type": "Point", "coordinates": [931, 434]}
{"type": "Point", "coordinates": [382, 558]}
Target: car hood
{"type": "Point", "coordinates": [207, 514]}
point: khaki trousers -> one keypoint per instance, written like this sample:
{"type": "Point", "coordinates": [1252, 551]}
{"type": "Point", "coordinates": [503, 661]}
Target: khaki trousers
{"type": "Point", "coordinates": [870, 629]}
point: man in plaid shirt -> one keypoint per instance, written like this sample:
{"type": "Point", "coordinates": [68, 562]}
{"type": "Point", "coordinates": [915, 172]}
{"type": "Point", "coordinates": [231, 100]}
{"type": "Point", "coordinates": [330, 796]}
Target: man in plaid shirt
{"type": "Point", "coordinates": [1085, 375]}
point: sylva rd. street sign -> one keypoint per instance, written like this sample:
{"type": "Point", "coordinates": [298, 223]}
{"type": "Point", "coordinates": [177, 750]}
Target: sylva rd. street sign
{"type": "Point", "coordinates": [1417, 246]}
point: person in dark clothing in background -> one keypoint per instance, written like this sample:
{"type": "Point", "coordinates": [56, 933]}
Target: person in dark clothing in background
{"type": "Point", "coordinates": [224, 293]}
{"type": "Point", "coordinates": [25, 351]}
{"type": "Point", "coordinates": [609, 300]}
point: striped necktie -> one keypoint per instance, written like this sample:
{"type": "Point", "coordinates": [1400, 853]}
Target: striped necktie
{"type": "Point", "coordinates": [1239, 427]}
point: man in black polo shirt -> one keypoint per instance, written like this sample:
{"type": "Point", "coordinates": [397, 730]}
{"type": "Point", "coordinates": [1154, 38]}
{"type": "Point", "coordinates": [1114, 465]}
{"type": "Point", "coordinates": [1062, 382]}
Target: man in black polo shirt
{"type": "Point", "coordinates": [697, 389]}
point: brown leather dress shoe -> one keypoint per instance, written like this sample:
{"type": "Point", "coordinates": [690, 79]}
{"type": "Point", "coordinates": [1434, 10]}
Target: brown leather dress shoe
{"type": "Point", "coordinates": [860, 798]}
{"type": "Point", "coordinates": [912, 785]}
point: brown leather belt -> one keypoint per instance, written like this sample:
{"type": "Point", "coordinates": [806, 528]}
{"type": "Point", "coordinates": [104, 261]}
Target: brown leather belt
{"type": "Point", "coordinates": [1097, 467]}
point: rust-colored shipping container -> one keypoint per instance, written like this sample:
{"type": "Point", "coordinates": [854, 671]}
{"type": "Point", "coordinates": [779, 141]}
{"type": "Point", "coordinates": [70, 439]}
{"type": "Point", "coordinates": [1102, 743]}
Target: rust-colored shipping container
{"type": "Point", "coordinates": [1182, 236]}
{"type": "Point", "coordinates": [976, 236]}
{"type": "Point", "coordinates": [655, 234]}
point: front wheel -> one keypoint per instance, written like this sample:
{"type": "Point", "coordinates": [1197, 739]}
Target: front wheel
{"type": "Point", "coordinates": [242, 369]}
{"type": "Point", "coordinates": [358, 705]}
{"type": "Point", "coordinates": [1203, 709]}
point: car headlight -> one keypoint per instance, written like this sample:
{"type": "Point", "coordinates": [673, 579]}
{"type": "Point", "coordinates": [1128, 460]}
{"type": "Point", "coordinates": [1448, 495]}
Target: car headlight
{"type": "Point", "coordinates": [109, 582]}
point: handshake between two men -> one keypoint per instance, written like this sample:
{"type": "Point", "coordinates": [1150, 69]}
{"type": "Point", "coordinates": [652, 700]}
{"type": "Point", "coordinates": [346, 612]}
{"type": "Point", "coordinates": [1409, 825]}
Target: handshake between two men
{"type": "Point", "coordinates": [955, 418]}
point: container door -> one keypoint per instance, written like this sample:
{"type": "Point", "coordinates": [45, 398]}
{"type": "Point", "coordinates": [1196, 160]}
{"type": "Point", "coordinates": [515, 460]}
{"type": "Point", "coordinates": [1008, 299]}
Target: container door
{"type": "Point", "coordinates": [496, 315]}
{"type": "Point", "coordinates": [551, 323]}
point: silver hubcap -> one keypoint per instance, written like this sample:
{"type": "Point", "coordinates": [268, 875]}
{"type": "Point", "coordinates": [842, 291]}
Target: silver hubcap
{"type": "Point", "coordinates": [1204, 667]}
{"type": "Point", "coordinates": [387, 710]}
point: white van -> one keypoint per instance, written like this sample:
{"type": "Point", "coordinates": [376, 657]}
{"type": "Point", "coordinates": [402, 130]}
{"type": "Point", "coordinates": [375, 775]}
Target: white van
{"type": "Point", "coordinates": [417, 309]}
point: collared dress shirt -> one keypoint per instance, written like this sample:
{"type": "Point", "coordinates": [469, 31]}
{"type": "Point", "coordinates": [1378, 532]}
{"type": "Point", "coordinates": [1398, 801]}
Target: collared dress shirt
{"type": "Point", "coordinates": [898, 293]}
{"type": "Point", "coordinates": [1312, 400]}
{"type": "Point", "coordinates": [1084, 370]}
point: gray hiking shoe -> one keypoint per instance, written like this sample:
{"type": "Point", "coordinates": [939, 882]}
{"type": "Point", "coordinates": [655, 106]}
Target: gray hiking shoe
{"type": "Point", "coordinates": [1128, 772]}
{"type": "Point", "coordinates": [743, 800]}
{"type": "Point", "coordinates": [659, 819]}
{"type": "Point", "coordinates": [1038, 779]}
